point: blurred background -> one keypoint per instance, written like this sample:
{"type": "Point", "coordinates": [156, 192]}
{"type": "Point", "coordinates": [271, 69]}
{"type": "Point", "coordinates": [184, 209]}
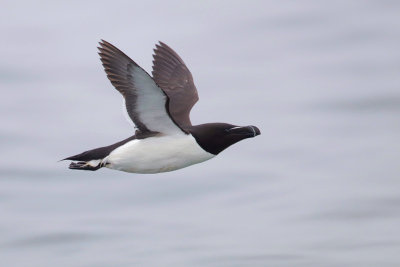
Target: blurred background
{"type": "Point", "coordinates": [319, 187]}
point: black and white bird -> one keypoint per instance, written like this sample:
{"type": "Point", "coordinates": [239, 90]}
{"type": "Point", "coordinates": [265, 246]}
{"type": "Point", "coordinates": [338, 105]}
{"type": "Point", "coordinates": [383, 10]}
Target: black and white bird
{"type": "Point", "coordinates": [159, 106]}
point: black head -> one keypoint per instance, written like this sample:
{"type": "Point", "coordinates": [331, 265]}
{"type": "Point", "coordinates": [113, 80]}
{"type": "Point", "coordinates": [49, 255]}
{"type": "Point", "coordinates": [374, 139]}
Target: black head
{"type": "Point", "coordinates": [215, 137]}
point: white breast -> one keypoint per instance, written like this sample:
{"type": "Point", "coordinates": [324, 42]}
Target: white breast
{"type": "Point", "coordinates": [157, 154]}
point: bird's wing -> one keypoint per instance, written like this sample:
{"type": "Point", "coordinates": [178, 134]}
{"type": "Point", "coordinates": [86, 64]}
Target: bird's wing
{"type": "Point", "coordinates": [146, 103]}
{"type": "Point", "coordinates": [175, 79]}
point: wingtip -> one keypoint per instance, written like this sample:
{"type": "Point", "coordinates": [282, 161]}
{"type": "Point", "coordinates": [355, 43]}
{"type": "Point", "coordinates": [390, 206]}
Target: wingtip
{"type": "Point", "coordinates": [160, 44]}
{"type": "Point", "coordinates": [103, 43]}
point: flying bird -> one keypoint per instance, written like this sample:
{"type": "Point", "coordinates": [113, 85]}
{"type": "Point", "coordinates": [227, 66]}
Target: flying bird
{"type": "Point", "coordinates": [159, 106]}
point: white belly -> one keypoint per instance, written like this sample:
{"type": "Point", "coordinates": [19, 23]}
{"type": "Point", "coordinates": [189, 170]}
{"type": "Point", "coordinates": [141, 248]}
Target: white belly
{"type": "Point", "coordinates": [157, 154]}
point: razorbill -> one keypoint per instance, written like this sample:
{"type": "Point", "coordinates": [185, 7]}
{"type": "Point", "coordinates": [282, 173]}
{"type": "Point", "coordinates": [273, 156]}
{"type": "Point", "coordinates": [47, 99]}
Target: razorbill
{"type": "Point", "coordinates": [159, 106]}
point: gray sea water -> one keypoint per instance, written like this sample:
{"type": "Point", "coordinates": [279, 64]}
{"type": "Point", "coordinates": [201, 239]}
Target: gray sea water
{"type": "Point", "coordinates": [319, 187]}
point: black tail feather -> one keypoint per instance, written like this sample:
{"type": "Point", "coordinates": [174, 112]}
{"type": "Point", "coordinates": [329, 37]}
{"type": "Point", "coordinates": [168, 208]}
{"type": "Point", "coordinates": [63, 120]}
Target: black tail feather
{"type": "Point", "coordinates": [98, 153]}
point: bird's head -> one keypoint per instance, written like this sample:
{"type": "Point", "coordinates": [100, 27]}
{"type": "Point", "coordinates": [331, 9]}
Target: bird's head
{"type": "Point", "coordinates": [215, 137]}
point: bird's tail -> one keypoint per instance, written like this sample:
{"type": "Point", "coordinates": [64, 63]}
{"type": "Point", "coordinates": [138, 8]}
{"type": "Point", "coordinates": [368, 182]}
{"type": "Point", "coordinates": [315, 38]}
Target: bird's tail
{"type": "Point", "coordinates": [91, 160]}
{"type": "Point", "coordinates": [94, 159]}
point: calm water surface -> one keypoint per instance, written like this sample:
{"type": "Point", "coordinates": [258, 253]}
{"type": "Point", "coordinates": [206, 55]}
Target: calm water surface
{"type": "Point", "coordinates": [319, 187]}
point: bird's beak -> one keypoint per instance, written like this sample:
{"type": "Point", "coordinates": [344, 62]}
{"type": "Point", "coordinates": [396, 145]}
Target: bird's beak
{"type": "Point", "coordinates": [249, 131]}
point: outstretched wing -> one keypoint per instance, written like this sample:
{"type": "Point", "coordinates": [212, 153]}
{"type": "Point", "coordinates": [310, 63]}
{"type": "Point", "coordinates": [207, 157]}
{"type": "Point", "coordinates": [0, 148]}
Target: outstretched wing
{"type": "Point", "coordinates": [146, 103]}
{"type": "Point", "coordinates": [175, 79]}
